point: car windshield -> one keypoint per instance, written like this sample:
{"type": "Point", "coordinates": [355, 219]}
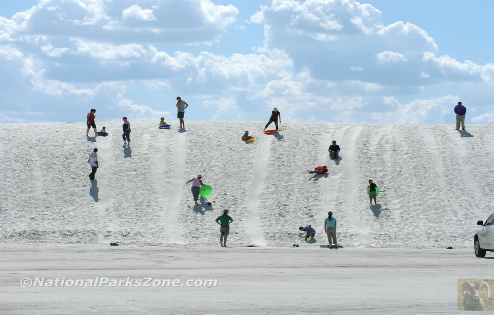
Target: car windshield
{"type": "Point", "coordinates": [490, 220]}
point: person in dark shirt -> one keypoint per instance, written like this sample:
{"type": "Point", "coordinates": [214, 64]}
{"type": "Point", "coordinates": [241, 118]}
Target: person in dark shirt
{"type": "Point", "coordinates": [275, 117]}
{"type": "Point", "coordinates": [126, 131]}
{"type": "Point", "coordinates": [460, 112]}
{"type": "Point", "coordinates": [310, 233]}
{"type": "Point", "coordinates": [224, 221]}
{"type": "Point", "coordinates": [372, 190]}
{"type": "Point", "coordinates": [334, 151]}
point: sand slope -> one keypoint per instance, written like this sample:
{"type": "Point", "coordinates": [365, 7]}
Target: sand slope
{"type": "Point", "coordinates": [436, 184]}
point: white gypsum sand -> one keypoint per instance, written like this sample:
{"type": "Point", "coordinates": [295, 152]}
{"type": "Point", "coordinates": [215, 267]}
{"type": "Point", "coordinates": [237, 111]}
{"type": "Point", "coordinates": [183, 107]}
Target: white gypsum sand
{"type": "Point", "coordinates": [437, 184]}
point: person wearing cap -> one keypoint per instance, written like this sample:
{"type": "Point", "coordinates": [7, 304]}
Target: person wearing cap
{"type": "Point", "coordinates": [224, 221]}
{"type": "Point", "coordinates": [126, 131]}
{"type": "Point", "coordinates": [91, 122]}
{"type": "Point", "coordinates": [196, 187]}
{"type": "Point", "coordinates": [275, 117]}
{"type": "Point", "coordinates": [330, 228]}
{"type": "Point", "coordinates": [181, 106]}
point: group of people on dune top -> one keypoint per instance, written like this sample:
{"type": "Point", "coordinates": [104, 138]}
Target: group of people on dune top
{"type": "Point", "coordinates": [225, 220]}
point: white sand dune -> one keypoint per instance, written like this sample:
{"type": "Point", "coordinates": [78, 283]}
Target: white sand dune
{"type": "Point", "coordinates": [436, 184]}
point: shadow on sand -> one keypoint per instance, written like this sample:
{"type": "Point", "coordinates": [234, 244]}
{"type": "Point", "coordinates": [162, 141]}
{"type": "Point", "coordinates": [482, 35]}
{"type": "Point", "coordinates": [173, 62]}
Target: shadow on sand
{"type": "Point", "coordinates": [337, 160]}
{"type": "Point", "coordinates": [278, 136]}
{"type": "Point", "coordinates": [376, 210]}
{"type": "Point", "coordinates": [127, 151]}
{"type": "Point", "coordinates": [94, 190]}
{"type": "Point", "coordinates": [464, 133]}
{"type": "Point", "coordinates": [316, 176]}
{"type": "Point", "coordinates": [91, 139]}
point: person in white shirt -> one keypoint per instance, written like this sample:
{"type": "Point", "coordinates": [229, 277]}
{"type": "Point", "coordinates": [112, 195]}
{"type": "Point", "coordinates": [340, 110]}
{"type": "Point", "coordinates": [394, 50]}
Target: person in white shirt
{"type": "Point", "coordinates": [93, 162]}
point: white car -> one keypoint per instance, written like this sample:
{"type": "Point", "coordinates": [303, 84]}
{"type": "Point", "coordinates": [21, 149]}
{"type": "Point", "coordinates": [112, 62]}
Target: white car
{"type": "Point", "coordinates": [484, 239]}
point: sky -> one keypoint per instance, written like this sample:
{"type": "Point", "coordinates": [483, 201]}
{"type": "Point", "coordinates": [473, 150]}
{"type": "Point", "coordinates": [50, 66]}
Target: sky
{"type": "Point", "coordinates": [373, 61]}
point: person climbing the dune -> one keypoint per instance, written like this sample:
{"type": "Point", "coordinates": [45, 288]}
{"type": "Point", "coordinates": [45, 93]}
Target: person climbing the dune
{"type": "Point", "coordinates": [91, 122]}
{"type": "Point", "coordinates": [330, 228]}
{"type": "Point", "coordinates": [334, 151]}
{"type": "Point", "coordinates": [93, 162]}
{"type": "Point", "coordinates": [460, 112]}
{"type": "Point", "coordinates": [126, 131]}
{"type": "Point", "coordinates": [372, 191]}
{"type": "Point", "coordinates": [275, 117]}
{"type": "Point", "coordinates": [181, 107]}
{"type": "Point", "coordinates": [196, 187]}
{"type": "Point", "coordinates": [224, 221]}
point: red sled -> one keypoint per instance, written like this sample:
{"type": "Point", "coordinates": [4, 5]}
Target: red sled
{"type": "Point", "coordinates": [322, 169]}
{"type": "Point", "coordinates": [270, 132]}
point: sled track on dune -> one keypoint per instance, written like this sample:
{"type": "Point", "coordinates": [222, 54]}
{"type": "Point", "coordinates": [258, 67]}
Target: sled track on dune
{"type": "Point", "coordinates": [253, 223]}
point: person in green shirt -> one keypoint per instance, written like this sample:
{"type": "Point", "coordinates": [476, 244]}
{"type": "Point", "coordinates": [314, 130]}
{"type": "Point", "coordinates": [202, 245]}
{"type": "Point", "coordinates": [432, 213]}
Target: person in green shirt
{"type": "Point", "coordinates": [372, 191]}
{"type": "Point", "coordinates": [224, 221]}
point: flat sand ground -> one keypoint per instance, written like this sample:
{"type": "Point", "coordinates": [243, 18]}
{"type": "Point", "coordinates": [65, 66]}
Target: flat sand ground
{"type": "Point", "coordinates": [250, 280]}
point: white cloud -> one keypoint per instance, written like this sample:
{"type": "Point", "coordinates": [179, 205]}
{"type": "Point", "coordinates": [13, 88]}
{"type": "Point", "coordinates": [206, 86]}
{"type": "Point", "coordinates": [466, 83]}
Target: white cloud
{"type": "Point", "coordinates": [327, 37]}
{"type": "Point", "coordinates": [184, 21]}
{"type": "Point", "coordinates": [136, 12]}
{"type": "Point", "coordinates": [322, 60]}
{"type": "Point", "coordinates": [390, 57]}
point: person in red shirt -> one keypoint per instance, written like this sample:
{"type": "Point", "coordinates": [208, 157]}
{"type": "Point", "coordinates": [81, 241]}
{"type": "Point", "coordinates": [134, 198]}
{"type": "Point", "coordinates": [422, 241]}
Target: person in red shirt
{"type": "Point", "coordinates": [91, 123]}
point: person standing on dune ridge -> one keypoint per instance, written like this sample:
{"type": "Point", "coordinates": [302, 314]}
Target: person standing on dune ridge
{"type": "Point", "coordinates": [275, 117]}
{"type": "Point", "coordinates": [181, 107]}
{"type": "Point", "coordinates": [91, 122]}
{"type": "Point", "coordinates": [126, 131]}
{"type": "Point", "coordinates": [460, 112]}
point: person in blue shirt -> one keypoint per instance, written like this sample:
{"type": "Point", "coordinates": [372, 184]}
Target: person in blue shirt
{"type": "Point", "coordinates": [310, 233]}
{"type": "Point", "coordinates": [330, 228]}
